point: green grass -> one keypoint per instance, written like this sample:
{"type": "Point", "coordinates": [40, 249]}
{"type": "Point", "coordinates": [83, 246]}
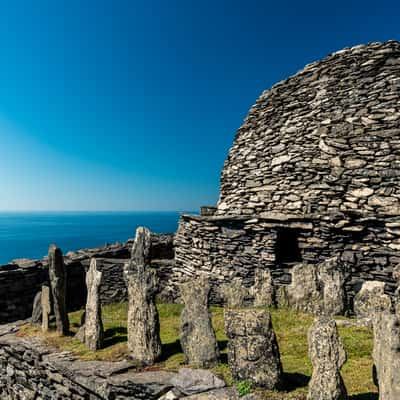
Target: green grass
{"type": "Point", "coordinates": [290, 327]}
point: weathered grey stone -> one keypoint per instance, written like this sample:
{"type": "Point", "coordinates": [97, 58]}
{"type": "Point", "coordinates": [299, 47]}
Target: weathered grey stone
{"type": "Point", "coordinates": [371, 299]}
{"type": "Point", "coordinates": [386, 355]}
{"type": "Point", "coordinates": [58, 284]}
{"type": "Point", "coordinates": [332, 281]}
{"type": "Point", "coordinates": [193, 381]}
{"type": "Point", "coordinates": [235, 293]}
{"type": "Point", "coordinates": [144, 342]}
{"type": "Point", "coordinates": [263, 289]}
{"type": "Point", "coordinates": [327, 355]}
{"type": "Point", "coordinates": [197, 335]}
{"type": "Point", "coordinates": [94, 332]}
{"type": "Point", "coordinates": [304, 293]}
{"type": "Point", "coordinates": [217, 394]}
{"type": "Point", "coordinates": [281, 296]}
{"type": "Point", "coordinates": [46, 307]}
{"type": "Point", "coordinates": [36, 318]}
{"type": "Point", "coordinates": [312, 174]}
{"type": "Point", "coordinates": [253, 352]}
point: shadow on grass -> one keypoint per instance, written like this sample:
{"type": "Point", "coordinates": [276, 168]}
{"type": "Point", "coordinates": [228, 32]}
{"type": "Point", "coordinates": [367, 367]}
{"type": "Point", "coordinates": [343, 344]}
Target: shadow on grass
{"type": "Point", "coordinates": [115, 335]}
{"type": "Point", "coordinates": [293, 381]}
{"type": "Point", "coordinates": [170, 349]}
{"type": "Point", "coordinates": [364, 396]}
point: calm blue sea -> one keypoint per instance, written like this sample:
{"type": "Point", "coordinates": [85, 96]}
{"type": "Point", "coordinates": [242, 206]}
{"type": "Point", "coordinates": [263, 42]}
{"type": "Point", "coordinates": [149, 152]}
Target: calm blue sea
{"type": "Point", "coordinates": [28, 235]}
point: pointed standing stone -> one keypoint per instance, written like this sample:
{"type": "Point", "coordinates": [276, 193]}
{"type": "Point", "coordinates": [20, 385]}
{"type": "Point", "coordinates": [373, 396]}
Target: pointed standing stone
{"type": "Point", "coordinates": [144, 342]}
{"type": "Point", "coordinates": [327, 356]}
{"type": "Point", "coordinates": [58, 283]}
{"type": "Point", "coordinates": [46, 308]}
{"type": "Point", "coordinates": [263, 289]}
{"type": "Point", "coordinates": [94, 332]}
{"type": "Point", "coordinates": [197, 335]}
{"type": "Point", "coordinates": [253, 352]}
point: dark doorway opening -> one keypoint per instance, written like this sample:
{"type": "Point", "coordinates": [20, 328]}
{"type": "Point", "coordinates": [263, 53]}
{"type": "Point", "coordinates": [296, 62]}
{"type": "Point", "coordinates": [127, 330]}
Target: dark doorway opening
{"type": "Point", "coordinates": [287, 248]}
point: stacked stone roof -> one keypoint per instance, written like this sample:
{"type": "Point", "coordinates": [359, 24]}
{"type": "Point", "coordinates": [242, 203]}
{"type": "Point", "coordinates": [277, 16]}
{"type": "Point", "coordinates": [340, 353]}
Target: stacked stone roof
{"type": "Point", "coordinates": [325, 141]}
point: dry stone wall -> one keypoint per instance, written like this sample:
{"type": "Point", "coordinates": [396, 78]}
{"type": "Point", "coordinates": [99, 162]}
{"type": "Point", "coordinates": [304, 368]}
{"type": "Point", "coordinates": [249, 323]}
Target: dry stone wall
{"type": "Point", "coordinates": [22, 279]}
{"type": "Point", "coordinates": [314, 172]}
{"type": "Point", "coordinates": [325, 140]}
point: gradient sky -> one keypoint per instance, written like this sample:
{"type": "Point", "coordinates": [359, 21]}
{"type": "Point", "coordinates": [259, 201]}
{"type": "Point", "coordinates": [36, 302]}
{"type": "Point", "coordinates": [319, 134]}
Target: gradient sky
{"type": "Point", "coordinates": [133, 105]}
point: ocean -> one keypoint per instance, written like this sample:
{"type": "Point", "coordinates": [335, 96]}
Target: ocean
{"type": "Point", "coordinates": [28, 235]}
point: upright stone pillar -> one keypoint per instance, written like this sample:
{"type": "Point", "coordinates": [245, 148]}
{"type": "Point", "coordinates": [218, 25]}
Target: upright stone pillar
{"type": "Point", "coordinates": [332, 281]}
{"type": "Point", "coordinates": [58, 283]}
{"type": "Point", "coordinates": [46, 308]}
{"type": "Point", "coordinates": [235, 293]}
{"type": "Point", "coordinates": [386, 355]}
{"type": "Point", "coordinates": [36, 318]}
{"type": "Point", "coordinates": [304, 292]}
{"type": "Point", "coordinates": [327, 356]}
{"type": "Point", "coordinates": [253, 352]}
{"type": "Point", "coordinates": [396, 297]}
{"type": "Point", "coordinates": [371, 299]}
{"type": "Point", "coordinates": [144, 342]}
{"type": "Point", "coordinates": [263, 289]}
{"type": "Point", "coordinates": [197, 335]}
{"type": "Point", "coordinates": [94, 332]}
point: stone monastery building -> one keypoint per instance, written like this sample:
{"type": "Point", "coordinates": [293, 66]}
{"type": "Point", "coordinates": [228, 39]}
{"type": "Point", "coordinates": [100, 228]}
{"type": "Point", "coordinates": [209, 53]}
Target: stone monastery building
{"type": "Point", "coordinates": [314, 172]}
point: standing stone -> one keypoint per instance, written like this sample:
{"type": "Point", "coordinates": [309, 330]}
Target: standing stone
{"type": "Point", "coordinates": [386, 355]}
{"type": "Point", "coordinates": [327, 356]}
{"type": "Point", "coordinates": [304, 292]}
{"type": "Point", "coordinates": [235, 293]}
{"type": "Point", "coordinates": [197, 335]}
{"type": "Point", "coordinates": [46, 308]}
{"type": "Point", "coordinates": [332, 280]}
{"type": "Point", "coordinates": [263, 289]}
{"type": "Point", "coordinates": [253, 352]}
{"type": "Point", "coordinates": [144, 342]}
{"type": "Point", "coordinates": [371, 299]}
{"type": "Point", "coordinates": [58, 283]}
{"type": "Point", "coordinates": [36, 318]}
{"type": "Point", "coordinates": [94, 333]}
{"type": "Point", "coordinates": [281, 296]}
{"type": "Point", "coordinates": [396, 297]}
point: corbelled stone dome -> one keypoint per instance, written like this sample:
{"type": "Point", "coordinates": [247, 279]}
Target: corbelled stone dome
{"type": "Point", "coordinates": [325, 140]}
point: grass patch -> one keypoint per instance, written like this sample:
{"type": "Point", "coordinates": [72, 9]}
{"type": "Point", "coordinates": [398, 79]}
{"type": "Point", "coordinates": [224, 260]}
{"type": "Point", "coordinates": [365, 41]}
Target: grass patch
{"type": "Point", "coordinates": [290, 327]}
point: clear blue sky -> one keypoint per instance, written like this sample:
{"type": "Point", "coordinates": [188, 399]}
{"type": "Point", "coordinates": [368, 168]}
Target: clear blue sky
{"type": "Point", "coordinates": [133, 105]}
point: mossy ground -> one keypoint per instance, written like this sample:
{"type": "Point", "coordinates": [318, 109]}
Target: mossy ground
{"type": "Point", "coordinates": [291, 330]}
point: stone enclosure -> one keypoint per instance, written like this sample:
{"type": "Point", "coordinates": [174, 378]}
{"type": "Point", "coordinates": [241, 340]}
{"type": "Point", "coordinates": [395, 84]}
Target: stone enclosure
{"type": "Point", "coordinates": [313, 173]}
{"type": "Point", "coordinates": [308, 217]}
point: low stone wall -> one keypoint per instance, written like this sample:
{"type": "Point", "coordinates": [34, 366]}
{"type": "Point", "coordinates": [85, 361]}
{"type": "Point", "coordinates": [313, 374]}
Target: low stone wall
{"type": "Point", "coordinates": [30, 370]}
{"type": "Point", "coordinates": [22, 279]}
{"type": "Point", "coordinates": [227, 247]}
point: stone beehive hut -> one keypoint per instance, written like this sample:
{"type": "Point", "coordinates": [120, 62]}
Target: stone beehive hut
{"type": "Point", "coordinates": [314, 172]}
